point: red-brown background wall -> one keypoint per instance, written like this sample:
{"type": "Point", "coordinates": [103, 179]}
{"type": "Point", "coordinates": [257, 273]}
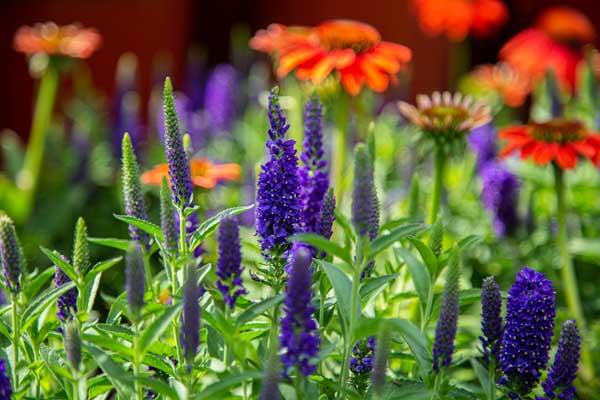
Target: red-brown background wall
{"type": "Point", "coordinates": [148, 27]}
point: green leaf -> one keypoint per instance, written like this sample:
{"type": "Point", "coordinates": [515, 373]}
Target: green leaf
{"type": "Point", "coordinates": [90, 291]}
{"type": "Point", "coordinates": [427, 255]}
{"type": "Point", "coordinates": [146, 226]}
{"type": "Point", "coordinates": [101, 267]}
{"type": "Point", "coordinates": [587, 249]}
{"type": "Point", "coordinates": [66, 267]}
{"type": "Point", "coordinates": [32, 287]}
{"type": "Point", "coordinates": [342, 286]}
{"type": "Point", "coordinates": [468, 241]}
{"type": "Point", "coordinates": [321, 243]}
{"type": "Point", "coordinates": [342, 221]}
{"type": "Point", "coordinates": [159, 387]}
{"type": "Point", "coordinates": [120, 378]}
{"type": "Point", "coordinates": [419, 273]}
{"type": "Point", "coordinates": [208, 226]}
{"type": "Point", "coordinates": [158, 326]}
{"type": "Point", "coordinates": [211, 391]}
{"type": "Point", "coordinates": [416, 341]}
{"type": "Point", "coordinates": [483, 376]}
{"type": "Point", "coordinates": [406, 390]}
{"type": "Point", "coordinates": [120, 244]}
{"type": "Point", "coordinates": [373, 286]}
{"type": "Point", "coordinates": [258, 308]}
{"type": "Point", "coordinates": [39, 304]}
{"type": "Point", "coordinates": [384, 241]}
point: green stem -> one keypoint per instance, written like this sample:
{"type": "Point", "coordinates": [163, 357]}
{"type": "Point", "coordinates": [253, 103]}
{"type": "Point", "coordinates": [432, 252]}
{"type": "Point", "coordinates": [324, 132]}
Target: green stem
{"type": "Point", "coordinates": [492, 377]}
{"type": "Point", "coordinates": [349, 337]}
{"type": "Point", "coordinates": [75, 385]}
{"type": "Point", "coordinates": [15, 341]}
{"type": "Point", "coordinates": [428, 307]}
{"type": "Point", "coordinates": [568, 273]}
{"type": "Point", "coordinates": [299, 385]}
{"type": "Point", "coordinates": [340, 145]}
{"type": "Point", "coordinates": [29, 175]}
{"type": "Point", "coordinates": [435, 393]}
{"type": "Point", "coordinates": [438, 183]}
{"type": "Point", "coordinates": [137, 361]}
{"type": "Point", "coordinates": [183, 246]}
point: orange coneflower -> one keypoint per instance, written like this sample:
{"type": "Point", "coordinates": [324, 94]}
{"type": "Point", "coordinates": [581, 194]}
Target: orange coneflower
{"type": "Point", "coordinates": [352, 49]}
{"type": "Point", "coordinates": [69, 40]}
{"type": "Point", "coordinates": [560, 140]}
{"type": "Point", "coordinates": [204, 173]}
{"type": "Point", "coordinates": [446, 115]}
{"type": "Point", "coordinates": [553, 43]}
{"type": "Point", "coordinates": [502, 80]}
{"type": "Point", "coordinates": [457, 18]}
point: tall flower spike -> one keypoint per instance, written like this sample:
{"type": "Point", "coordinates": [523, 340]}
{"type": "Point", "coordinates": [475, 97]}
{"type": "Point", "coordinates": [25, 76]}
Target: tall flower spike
{"type": "Point", "coordinates": [491, 318]}
{"type": "Point", "coordinates": [168, 218]}
{"type": "Point", "coordinates": [66, 303]}
{"type": "Point", "coordinates": [299, 335]}
{"type": "Point", "coordinates": [11, 255]}
{"type": "Point", "coordinates": [437, 237]}
{"type": "Point", "coordinates": [482, 141]}
{"type": "Point", "coordinates": [135, 280]}
{"type": "Point", "coordinates": [5, 386]}
{"type": "Point", "coordinates": [314, 174]}
{"type": "Point", "coordinates": [525, 347]}
{"type": "Point", "coordinates": [179, 169]}
{"type": "Point", "coordinates": [445, 330]}
{"type": "Point", "coordinates": [361, 363]}
{"type": "Point", "coordinates": [327, 218]}
{"type": "Point", "coordinates": [559, 382]}
{"type": "Point", "coordinates": [229, 266]}
{"type": "Point", "coordinates": [132, 189]}
{"type": "Point", "coordinates": [382, 353]}
{"type": "Point", "coordinates": [81, 249]}
{"type": "Point", "coordinates": [190, 317]}
{"type": "Point", "coordinates": [220, 98]}
{"type": "Point", "coordinates": [73, 345]}
{"type": "Point", "coordinates": [363, 207]}
{"type": "Point", "coordinates": [278, 211]}
{"type": "Point", "coordinates": [500, 192]}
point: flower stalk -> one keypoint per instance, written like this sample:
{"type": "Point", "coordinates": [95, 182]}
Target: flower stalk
{"type": "Point", "coordinates": [567, 271]}
{"type": "Point", "coordinates": [438, 183]}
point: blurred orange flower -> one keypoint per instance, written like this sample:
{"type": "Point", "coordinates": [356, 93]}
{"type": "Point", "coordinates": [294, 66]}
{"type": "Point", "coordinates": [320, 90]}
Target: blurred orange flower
{"type": "Point", "coordinates": [352, 49]}
{"type": "Point", "coordinates": [512, 86]}
{"type": "Point", "coordinates": [204, 173]}
{"type": "Point", "coordinates": [457, 18]}
{"type": "Point", "coordinates": [554, 43]}
{"type": "Point", "coordinates": [560, 140]}
{"type": "Point", "coordinates": [69, 40]}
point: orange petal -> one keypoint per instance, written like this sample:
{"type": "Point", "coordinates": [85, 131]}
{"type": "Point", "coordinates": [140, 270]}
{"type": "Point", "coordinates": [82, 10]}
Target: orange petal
{"type": "Point", "coordinates": [566, 157]}
{"type": "Point", "coordinates": [204, 182]}
{"type": "Point", "coordinates": [293, 59]}
{"type": "Point", "coordinates": [155, 175]}
{"type": "Point", "coordinates": [544, 153]}
{"type": "Point", "coordinates": [377, 80]}
{"type": "Point", "coordinates": [402, 53]}
{"type": "Point", "coordinates": [351, 82]}
{"type": "Point", "coordinates": [322, 69]}
{"type": "Point", "coordinates": [389, 65]}
{"type": "Point", "coordinates": [343, 58]}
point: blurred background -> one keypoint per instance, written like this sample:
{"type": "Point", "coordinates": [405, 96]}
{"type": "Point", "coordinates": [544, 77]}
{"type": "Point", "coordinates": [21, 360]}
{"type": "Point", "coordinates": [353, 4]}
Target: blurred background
{"type": "Point", "coordinates": [162, 31]}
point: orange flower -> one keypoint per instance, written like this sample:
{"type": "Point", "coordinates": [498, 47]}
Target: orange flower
{"type": "Point", "coordinates": [503, 80]}
{"type": "Point", "coordinates": [204, 173]}
{"type": "Point", "coordinates": [457, 18]}
{"type": "Point", "coordinates": [560, 140]}
{"type": "Point", "coordinates": [554, 43]}
{"type": "Point", "coordinates": [49, 38]}
{"type": "Point", "coordinates": [446, 114]}
{"type": "Point", "coordinates": [352, 49]}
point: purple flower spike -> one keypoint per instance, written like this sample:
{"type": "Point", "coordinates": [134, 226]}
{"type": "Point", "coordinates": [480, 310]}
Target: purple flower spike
{"type": "Point", "coordinates": [314, 174]}
{"type": "Point", "coordinates": [500, 194]}
{"type": "Point", "coordinates": [525, 347]}
{"type": "Point", "coordinates": [482, 141]}
{"type": "Point", "coordinates": [559, 383]}
{"type": "Point", "coordinates": [491, 318]}
{"type": "Point", "coordinates": [66, 303]}
{"type": "Point", "coordinates": [278, 211]}
{"type": "Point", "coordinates": [190, 318]}
{"type": "Point", "coordinates": [11, 256]}
{"type": "Point", "coordinates": [299, 336]}
{"type": "Point", "coordinates": [229, 266]}
{"type": "Point", "coordinates": [179, 168]}
{"type": "Point", "coordinates": [5, 386]}
{"type": "Point", "coordinates": [220, 98]}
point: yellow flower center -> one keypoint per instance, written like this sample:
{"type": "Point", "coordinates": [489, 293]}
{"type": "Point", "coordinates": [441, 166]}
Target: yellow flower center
{"type": "Point", "coordinates": [558, 131]}
{"type": "Point", "coordinates": [343, 34]}
{"type": "Point", "coordinates": [447, 115]}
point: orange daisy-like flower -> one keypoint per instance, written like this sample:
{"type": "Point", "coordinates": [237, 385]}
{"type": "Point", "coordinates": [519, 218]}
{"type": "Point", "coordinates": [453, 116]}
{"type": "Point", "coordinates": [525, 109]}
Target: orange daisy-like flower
{"type": "Point", "coordinates": [554, 43]}
{"type": "Point", "coordinates": [562, 141]}
{"type": "Point", "coordinates": [49, 38]}
{"type": "Point", "coordinates": [204, 173]}
{"type": "Point", "coordinates": [446, 115]}
{"type": "Point", "coordinates": [503, 80]}
{"type": "Point", "coordinates": [457, 18]}
{"type": "Point", "coordinates": [352, 49]}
